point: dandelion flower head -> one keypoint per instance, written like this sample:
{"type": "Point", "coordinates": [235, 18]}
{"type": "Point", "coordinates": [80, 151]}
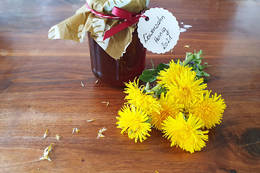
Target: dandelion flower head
{"type": "Point", "coordinates": [187, 89]}
{"type": "Point", "coordinates": [185, 133]}
{"type": "Point", "coordinates": [168, 77]}
{"type": "Point", "coordinates": [136, 96]}
{"type": "Point", "coordinates": [134, 122]}
{"type": "Point", "coordinates": [209, 109]}
{"type": "Point", "coordinates": [169, 107]}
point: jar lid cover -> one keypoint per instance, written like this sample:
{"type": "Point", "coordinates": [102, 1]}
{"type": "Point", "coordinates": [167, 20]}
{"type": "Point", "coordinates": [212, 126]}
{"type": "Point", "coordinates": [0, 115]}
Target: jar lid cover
{"type": "Point", "coordinates": [76, 27]}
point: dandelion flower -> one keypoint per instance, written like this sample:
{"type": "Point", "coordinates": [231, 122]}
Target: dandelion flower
{"type": "Point", "coordinates": [136, 97]}
{"type": "Point", "coordinates": [168, 77]}
{"type": "Point", "coordinates": [187, 89]}
{"type": "Point", "coordinates": [169, 107]}
{"type": "Point", "coordinates": [185, 133]}
{"type": "Point", "coordinates": [209, 109]}
{"type": "Point", "coordinates": [134, 122]}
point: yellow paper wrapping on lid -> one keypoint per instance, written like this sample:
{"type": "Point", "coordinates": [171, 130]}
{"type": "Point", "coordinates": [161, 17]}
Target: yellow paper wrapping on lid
{"type": "Point", "coordinates": [76, 27]}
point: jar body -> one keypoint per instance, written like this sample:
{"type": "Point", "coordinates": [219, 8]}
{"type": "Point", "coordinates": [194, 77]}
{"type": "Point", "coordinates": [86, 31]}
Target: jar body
{"type": "Point", "coordinates": [116, 72]}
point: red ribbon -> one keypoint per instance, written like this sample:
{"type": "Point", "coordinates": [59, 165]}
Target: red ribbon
{"type": "Point", "coordinates": [118, 13]}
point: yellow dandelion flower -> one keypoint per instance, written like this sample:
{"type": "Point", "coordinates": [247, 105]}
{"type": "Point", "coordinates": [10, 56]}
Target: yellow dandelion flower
{"type": "Point", "coordinates": [188, 88]}
{"type": "Point", "coordinates": [169, 107]}
{"type": "Point", "coordinates": [209, 109]}
{"type": "Point", "coordinates": [134, 122]}
{"type": "Point", "coordinates": [136, 97]}
{"type": "Point", "coordinates": [168, 77]}
{"type": "Point", "coordinates": [185, 134]}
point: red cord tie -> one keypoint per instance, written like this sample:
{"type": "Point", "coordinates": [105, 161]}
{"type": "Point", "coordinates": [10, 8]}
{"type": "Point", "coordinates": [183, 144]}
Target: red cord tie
{"type": "Point", "coordinates": [118, 13]}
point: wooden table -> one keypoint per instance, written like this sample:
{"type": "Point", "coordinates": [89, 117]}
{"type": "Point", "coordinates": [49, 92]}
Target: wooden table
{"type": "Point", "coordinates": [40, 88]}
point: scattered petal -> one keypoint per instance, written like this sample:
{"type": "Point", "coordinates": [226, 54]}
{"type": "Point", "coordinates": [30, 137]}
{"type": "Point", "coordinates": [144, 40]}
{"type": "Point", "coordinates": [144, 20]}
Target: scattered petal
{"type": "Point", "coordinates": [100, 136]}
{"type": "Point", "coordinates": [82, 84]}
{"type": "Point", "coordinates": [46, 153]}
{"type": "Point", "coordinates": [107, 103]}
{"type": "Point", "coordinates": [75, 130]}
{"type": "Point", "coordinates": [187, 26]}
{"type": "Point", "coordinates": [183, 30]}
{"type": "Point", "coordinates": [187, 46]}
{"type": "Point", "coordinates": [90, 120]}
{"type": "Point", "coordinates": [58, 137]}
{"type": "Point", "coordinates": [97, 81]}
{"type": "Point", "coordinates": [3, 52]}
{"type": "Point", "coordinates": [46, 134]}
{"type": "Point", "coordinates": [100, 133]}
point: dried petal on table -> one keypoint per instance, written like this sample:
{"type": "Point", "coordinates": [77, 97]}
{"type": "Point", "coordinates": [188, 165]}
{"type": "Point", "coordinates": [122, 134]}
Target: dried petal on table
{"type": "Point", "coordinates": [107, 103]}
{"type": "Point", "coordinates": [58, 137]}
{"type": "Point", "coordinates": [90, 120]}
{"type": "Point", "coordinates": [46, 153]}
{"type": "Point", "coordinates": [100, 133]}
{"type": "Point", "coordinates": [46, 133]}
{"type": "Point", "coordinates": [187, 46]}
{"type": "Point", "coordinates": [183, 30]}
{"type": "Point", "coordinates": [82, 84]}
{"type": "Point", "coordinates": [75, 130]}
{"type": "Point", "coordinates": [187, 26]}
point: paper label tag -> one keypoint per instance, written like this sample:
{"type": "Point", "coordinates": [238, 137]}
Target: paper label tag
{"type": "Point", "coordinates": [159, 32]}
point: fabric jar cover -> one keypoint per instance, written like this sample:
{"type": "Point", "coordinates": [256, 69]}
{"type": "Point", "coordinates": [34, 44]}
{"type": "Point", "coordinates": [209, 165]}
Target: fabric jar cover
{"type": "Point", "coordinates": [76, 27]}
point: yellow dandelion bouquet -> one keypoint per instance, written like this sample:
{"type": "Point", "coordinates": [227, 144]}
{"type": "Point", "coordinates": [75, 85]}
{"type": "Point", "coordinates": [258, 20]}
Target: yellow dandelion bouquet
{"type": "Point", "coordinates": [173, 100]}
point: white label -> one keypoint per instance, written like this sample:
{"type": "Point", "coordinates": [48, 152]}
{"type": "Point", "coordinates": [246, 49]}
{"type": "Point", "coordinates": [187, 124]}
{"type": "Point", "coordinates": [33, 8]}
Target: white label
{"type": "Point", "coordinates": [159, 32]}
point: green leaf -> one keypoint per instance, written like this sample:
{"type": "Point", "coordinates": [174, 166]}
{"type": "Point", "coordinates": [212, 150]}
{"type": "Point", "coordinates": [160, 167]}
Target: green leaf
{"type": "Point", "coordinates": [149, 72]}
{"type": "Point", "coordinates": [194, 60]}
{"type": "Point", "coordinates": [202, 67]}
{"type": "Point", "coordinates": [147, 78]}
{"type": "Point", "coordinates": [148, 75]}
{"type": "Point", "coordinates": [162, 66]}
{"type": "Point", "coordinates": [206, 74]}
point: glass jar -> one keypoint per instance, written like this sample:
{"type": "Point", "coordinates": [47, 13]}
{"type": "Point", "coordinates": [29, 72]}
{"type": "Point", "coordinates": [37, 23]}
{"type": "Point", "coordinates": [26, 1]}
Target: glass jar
{"type": "Point", "coordinates": [116, 72]}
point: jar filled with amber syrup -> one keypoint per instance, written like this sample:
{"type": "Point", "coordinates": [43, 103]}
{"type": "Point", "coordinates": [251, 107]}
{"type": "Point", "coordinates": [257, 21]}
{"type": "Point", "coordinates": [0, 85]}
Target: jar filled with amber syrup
{"type": "Point", "coordinates": [117, 72]}
{"type": "Point", "coordinates": [97, 18]}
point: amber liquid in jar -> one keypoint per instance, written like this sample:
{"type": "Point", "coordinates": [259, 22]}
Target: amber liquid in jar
{"type": "Point", "coordinates": [117, 72]}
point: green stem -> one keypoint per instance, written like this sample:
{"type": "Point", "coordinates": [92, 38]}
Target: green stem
{"type": "Point", "coordinates": [187, 60]}
{"type": "Point", "coordinates": [156, 87]}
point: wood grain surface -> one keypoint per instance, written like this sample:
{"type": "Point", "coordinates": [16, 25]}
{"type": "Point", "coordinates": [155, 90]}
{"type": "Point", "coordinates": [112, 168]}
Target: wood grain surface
{"type": "Point", "coordinates": [40, 88]}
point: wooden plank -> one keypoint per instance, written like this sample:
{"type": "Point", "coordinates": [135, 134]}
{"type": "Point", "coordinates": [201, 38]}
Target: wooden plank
{"type": "Point", "coordinates": [40, 88]}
